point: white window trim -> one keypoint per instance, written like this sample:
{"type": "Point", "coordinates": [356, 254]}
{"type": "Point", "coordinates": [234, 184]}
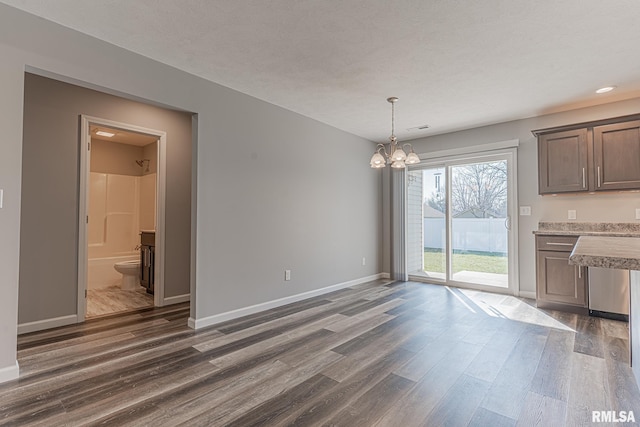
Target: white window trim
{"type": "Point", "coordinates": [473, 150]}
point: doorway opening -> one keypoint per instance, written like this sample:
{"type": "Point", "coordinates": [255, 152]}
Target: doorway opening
{"type": "Point", "coordinates": [459, 222]}
{"type": "Point", "coordinates": [121, 249]}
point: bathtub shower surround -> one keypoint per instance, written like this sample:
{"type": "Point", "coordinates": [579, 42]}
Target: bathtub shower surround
{"type": "Point", "coordinates": [119, 207]}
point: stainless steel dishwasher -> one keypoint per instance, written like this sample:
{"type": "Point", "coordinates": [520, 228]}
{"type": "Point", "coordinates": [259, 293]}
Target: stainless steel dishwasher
{"type": "Point", "coordinates": [609, 293]}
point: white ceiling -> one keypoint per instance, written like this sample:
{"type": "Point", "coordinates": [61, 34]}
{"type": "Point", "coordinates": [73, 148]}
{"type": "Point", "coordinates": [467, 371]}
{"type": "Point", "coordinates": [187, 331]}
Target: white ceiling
{"type": "Point", "coordinates": [454, 64]}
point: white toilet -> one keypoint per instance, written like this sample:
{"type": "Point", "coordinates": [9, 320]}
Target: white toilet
{"type": "Point", "coordinates": [130, 271]}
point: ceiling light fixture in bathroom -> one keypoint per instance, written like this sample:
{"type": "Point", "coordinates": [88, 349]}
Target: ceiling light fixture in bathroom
{"type": "Point", "coordinates": [105, 133]}
{"type": "Point", "coordinates": [606, 89]}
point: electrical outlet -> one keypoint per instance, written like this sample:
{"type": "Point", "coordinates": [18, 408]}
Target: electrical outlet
{"type": "Point", "coordinates": [571, 214]}
{"type": "Point", "coordinates": [364, 260]}
{"type": "Point", "coordinates": [287, 275]}
{"type": "Point", "coordinates": [637, 210]}
{"type": "Point", "coordinates": [525, 210]}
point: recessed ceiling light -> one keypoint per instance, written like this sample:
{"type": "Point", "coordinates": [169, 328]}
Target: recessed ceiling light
{"type": "Point", "coordinates": [606, 89]}
{"type": "Point", "coordinates": [103, 133]}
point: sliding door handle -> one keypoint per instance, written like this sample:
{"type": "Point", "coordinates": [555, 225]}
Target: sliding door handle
{"type": "Point", "coordinates": [507, 223]}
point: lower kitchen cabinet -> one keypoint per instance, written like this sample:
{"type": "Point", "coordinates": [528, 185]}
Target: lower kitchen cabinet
{"type": "Point", "coordinates": [559, 285]}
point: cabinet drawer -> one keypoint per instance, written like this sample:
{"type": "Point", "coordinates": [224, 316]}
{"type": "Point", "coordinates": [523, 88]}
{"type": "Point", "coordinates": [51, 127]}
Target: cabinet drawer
{"type": "Point", "coordinates": [556, 243]}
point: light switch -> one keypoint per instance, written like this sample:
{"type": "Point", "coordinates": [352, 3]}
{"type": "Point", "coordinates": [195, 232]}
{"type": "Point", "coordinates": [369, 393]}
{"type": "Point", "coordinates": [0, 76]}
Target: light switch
{"type": "Point", "coordinates": [525, 210]}
{"type": "Point", "coordinates": [571, 214]}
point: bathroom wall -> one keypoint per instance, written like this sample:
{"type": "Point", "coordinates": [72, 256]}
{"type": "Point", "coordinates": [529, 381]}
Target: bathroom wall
{"type": "Point", "coordinates": [150, 152]}
{"type": "Point", "coordinates": [148, 183]}
{"type": "Point", "coordinates": [113, 157]}
{"type": "Point", "coordinates": [147, 202]}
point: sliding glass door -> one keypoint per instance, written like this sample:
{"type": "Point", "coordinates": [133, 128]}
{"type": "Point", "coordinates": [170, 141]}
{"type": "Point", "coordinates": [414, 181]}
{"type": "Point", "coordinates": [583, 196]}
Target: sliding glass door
{"type": "Point", "coordinates": [460, 227]}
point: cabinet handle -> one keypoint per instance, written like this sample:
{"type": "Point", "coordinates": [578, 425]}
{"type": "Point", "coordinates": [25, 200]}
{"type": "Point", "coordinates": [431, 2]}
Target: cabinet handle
{"type": "Point", "coordinates": [598, 176]}
{"type": "Point", "coordinates": [584, 180]}
{"type": "Point", "coordinates": [579, 271]}
{"type": "Point", "coordinates": [559, 244]}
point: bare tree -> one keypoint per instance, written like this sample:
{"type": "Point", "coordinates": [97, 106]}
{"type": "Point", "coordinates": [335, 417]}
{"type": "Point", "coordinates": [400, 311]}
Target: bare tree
{"type": "Point", "coordinates": [478, 190]}
{"type": "Point", "coordinates": [437, 200]}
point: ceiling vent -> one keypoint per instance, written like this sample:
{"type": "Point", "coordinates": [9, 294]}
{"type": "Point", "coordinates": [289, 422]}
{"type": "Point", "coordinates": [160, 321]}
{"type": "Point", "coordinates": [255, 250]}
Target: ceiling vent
{"type": "Point", "coordinates": [423, 127]}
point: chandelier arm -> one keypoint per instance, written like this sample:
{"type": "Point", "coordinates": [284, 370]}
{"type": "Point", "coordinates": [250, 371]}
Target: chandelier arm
{"type": "Point", "coordinates": [382, 147]}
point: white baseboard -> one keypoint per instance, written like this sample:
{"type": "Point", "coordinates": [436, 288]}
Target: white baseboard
{"type": "Point", "coordinates": [9, 373]}
{"type": "Point", "coordinates": [40, 325]}
{"type": "Point", "coordinates": [177, 299]}
{"type": "Point", "coordinates": [245, 311]}
{"type": "Point", "coordinates": [385, 275]}
{"type": "Point", "coordinates": [527, 294]}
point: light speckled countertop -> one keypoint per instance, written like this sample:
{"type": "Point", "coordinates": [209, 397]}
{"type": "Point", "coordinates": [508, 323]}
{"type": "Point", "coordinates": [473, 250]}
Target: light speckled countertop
{"type": "Point", "coordinates": [613, 229]}
{"type": "Point", "coordinates": [586, 233]}
{"type": "Point", "coordinates": [607, 252]}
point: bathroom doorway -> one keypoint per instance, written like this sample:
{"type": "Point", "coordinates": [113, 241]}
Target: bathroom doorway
{"type": "Point", "coordinates": [121, 249]}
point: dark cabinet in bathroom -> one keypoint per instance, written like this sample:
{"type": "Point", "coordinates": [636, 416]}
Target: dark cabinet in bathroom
{"type": "Point", "coordinates": [147, 259]}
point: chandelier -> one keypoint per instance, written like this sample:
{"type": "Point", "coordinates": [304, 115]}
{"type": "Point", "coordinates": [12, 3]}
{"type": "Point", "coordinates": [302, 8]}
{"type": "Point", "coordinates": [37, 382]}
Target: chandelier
{"type": "Point", "coordinates": [397, 156]}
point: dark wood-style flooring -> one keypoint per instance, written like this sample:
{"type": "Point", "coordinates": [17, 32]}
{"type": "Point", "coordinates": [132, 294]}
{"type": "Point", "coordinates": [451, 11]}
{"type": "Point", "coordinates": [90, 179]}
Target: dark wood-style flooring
{"type": "Point", "coordinates": [379, 354]}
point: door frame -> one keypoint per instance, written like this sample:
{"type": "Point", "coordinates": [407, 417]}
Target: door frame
{"type": "Point", "coordinates": [83, 209]}
{"type": "Point", "coordinates": [511, 155]}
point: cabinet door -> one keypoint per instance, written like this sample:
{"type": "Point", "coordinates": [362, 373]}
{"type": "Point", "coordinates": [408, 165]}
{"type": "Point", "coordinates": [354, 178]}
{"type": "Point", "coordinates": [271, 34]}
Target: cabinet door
{"type": "Point", "coordinates": [617, 156]}
{"type": "Point", "coordinates": [152, 271]}
{"type": "Point", "coordinates": [563, 162]}
{"type": "Point", "coordinates": [145, 272]}
{"type": "Point", "coordinates": [560, 282]}
{"type": "Point", "coordinates": [144, 278]}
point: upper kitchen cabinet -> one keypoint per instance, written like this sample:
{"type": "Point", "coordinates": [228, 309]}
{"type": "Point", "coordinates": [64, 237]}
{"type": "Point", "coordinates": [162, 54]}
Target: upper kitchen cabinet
{"type": "Point", "coordinates": [616, 156]}
{"type": "Point", "coordinates": [563, 162]}
{"type": "Point", "coordinates": [602, 155]}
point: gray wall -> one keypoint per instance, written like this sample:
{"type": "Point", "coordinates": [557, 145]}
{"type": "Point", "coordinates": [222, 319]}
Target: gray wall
{"type": "Point", "coordinates": [268, 181]}
{"type": "Point", "coordinates": [50, 185]}
{"type": "Point", "coordinates": [613, 207]}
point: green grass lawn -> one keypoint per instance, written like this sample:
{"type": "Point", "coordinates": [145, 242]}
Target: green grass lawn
{"type": "Point", "coordinates": [484, 263]}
